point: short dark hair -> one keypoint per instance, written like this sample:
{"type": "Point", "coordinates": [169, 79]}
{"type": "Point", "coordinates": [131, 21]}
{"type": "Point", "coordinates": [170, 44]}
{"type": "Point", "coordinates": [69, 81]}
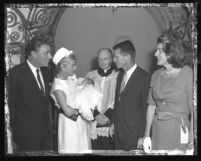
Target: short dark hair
{"type": "Point", "coordinates": [126, 47]}
{"type": "Point", "coordinates": [36, 43]}
{"type": "Point", "coordinates": [172, 46]}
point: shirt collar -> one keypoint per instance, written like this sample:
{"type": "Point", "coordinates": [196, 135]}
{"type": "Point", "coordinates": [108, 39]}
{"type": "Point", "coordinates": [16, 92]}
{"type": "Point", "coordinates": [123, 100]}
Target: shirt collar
{"type": "Point", "coordinates": [105, 70]}
{"type": "Point", "coordinates": [33, 68]}
{"type": "Point", "coordinates": [131, 70]}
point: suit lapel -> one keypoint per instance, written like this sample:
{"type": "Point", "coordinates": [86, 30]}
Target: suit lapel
{"type": "Point", "coordinates": [46, 81]}
{"type": "Point", "coordinates": [31, 77]}
{"type": "Point", "coordinates": [128, 84]}
{"type": "Point", "coordinates": [132, 77]}
{"type": "Point", "coordinates": [119, 81]}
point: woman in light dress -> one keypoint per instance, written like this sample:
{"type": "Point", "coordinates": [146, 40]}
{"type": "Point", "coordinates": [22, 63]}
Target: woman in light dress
{"type": "Point", "coordinates": [72, 128]}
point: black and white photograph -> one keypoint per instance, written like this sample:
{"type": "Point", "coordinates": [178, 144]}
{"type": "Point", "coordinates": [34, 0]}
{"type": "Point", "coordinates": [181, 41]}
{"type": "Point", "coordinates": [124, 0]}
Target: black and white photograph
{"type": "Point", "coordinates": [100, 79]}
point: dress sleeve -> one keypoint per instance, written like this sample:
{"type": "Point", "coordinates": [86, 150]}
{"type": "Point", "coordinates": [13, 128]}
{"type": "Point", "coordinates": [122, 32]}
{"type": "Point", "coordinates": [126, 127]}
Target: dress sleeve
{"type": "Point", "coordinates": [55, 86]}
{"type": "Point", "coordinates": [150, 99]}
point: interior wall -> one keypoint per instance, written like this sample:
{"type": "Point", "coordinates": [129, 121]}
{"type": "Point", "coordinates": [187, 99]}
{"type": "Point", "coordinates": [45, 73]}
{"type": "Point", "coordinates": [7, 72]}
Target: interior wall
{"type": "Point", "coordinates": [86, 30]}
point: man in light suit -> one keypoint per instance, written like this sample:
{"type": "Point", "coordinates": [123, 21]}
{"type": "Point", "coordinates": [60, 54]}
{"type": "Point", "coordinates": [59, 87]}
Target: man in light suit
{"type": "Point", "coordinates": [129, 117]}
{"type": "Point", "coordinates": [28, 98]}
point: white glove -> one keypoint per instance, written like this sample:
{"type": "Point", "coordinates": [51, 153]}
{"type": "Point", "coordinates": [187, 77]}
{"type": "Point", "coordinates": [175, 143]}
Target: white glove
{"type": "Point", "coordinates": [147, 144]}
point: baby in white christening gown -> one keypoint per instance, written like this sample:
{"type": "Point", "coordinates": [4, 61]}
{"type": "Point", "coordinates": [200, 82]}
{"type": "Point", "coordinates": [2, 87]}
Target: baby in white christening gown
{"type": "Point", "coordinates": [85, 97]}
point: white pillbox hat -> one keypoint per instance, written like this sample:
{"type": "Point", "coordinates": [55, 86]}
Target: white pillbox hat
{"type": "Point", "coordinates": [60, 54]}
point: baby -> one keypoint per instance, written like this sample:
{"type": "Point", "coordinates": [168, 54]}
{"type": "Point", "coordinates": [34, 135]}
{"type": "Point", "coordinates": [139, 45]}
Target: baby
{"type": "Point", "coordinates": [85, 97]}
{"type": "Point", "coordinates": [86, 81]}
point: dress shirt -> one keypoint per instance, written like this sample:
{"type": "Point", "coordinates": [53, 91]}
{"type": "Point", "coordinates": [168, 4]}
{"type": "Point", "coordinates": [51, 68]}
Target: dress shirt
{"type": "Point", "coordinates": [33, 69]}
{"type": "Point", "coordinates": [130, 72]}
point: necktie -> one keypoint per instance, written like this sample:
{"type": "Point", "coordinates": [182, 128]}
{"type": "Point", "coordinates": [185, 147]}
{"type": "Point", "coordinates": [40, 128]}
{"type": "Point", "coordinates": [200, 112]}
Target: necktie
{"type": "Point", "coordinates": [40, 82]}
{"type": "Point", "coordinates": [123, 83]}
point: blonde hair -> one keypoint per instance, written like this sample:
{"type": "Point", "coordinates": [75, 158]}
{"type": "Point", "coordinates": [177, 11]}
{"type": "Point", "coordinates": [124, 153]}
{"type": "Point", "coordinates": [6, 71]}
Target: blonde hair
{"type": "Point", "coordinates": [58, 66]}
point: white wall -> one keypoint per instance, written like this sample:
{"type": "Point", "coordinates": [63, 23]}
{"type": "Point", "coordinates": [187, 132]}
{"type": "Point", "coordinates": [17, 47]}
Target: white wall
{"type": "Point", "coordinates": [86, 30]}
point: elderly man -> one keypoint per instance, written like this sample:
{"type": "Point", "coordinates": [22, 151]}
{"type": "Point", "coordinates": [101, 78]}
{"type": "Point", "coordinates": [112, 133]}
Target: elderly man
{"type": "Point", "coordinates": [105, 81]}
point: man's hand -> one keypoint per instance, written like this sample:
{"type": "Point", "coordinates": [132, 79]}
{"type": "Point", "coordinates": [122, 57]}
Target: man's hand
{"type": "Point", "coordinates": [102, 119]}
{"type": "Point", "coordinates": [140, 143]}
{"type": "Point", "coordinates": [111, 130]}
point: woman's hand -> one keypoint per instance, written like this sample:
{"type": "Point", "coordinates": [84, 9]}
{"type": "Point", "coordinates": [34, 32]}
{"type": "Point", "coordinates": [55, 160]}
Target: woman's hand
{"type": "Point", "coordinates": [73, 111]}
{"type": "Point", "coordinates": [61, 99]}
{"type": "Point", "coordinates": [74, 114]}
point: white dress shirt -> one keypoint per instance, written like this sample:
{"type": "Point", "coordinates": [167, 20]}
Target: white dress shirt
{"type": "Point", "coordinates": [130, 72]}
{"type": "Point", "coordinates": [33, 69]}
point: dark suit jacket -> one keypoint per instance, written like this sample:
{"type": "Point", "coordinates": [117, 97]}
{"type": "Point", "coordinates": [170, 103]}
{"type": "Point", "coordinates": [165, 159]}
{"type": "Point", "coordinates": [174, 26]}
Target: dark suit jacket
{"type": "Point", "coordinates": [129, 115]}
{"type": "Point", "coordinates": [29, 110]}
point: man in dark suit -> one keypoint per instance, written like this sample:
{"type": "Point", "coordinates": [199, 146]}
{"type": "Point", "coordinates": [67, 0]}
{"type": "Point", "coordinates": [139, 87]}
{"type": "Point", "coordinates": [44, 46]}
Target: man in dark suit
{"type": "Point", "coordinates": [28, 98]}
{"type": "Point", "coordinates": [129, 117]}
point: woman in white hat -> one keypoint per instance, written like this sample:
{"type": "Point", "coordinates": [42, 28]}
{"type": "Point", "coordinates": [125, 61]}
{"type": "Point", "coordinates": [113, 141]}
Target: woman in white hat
{"type": "Point", "coordinates": [72, 129]}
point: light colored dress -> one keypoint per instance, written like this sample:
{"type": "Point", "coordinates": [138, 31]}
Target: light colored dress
{"type": "Point", "coordinates": [72, 135]}
{"type": "Point", "coordinates": [106, 86]}
{"type": "Point", "coordinates": [172, 97]}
